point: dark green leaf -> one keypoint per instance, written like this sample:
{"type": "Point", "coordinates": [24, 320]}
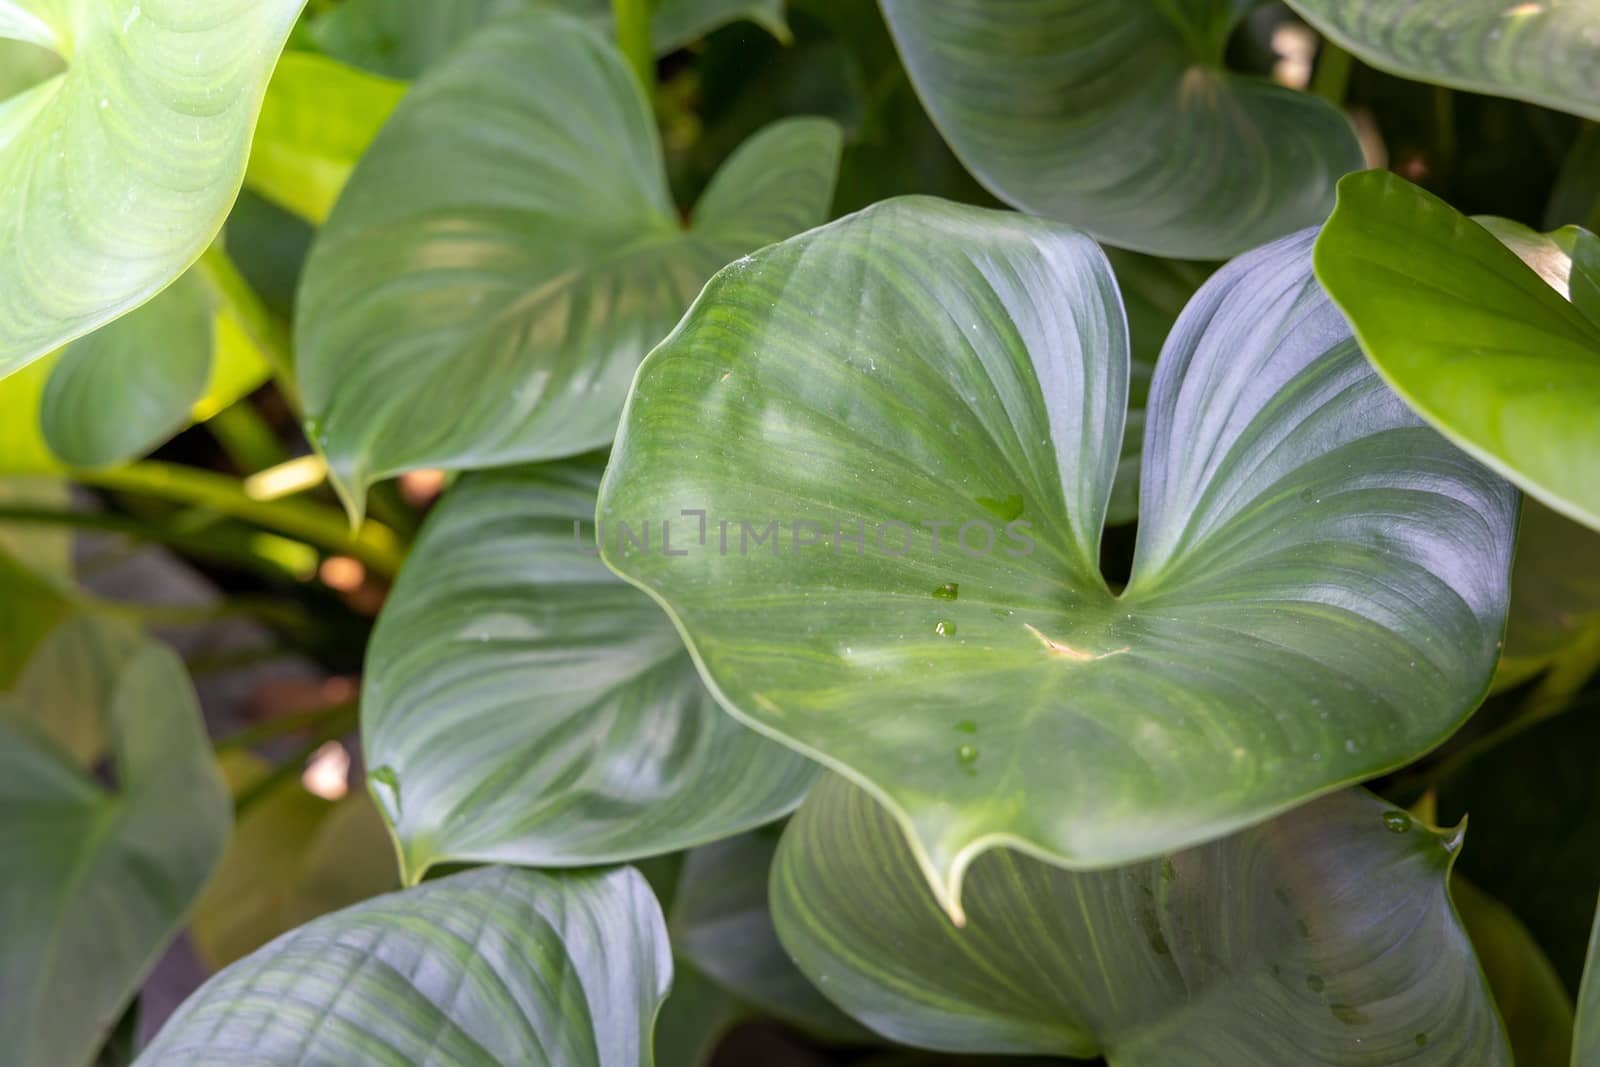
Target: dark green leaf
{"type": "Point", "coordinates": [523, 705]}
{"type": "Point", "coordinates": [493, 967]}
{"type": "Point", "coordinates": [1555, 593]}
{"type": "Point", "coordinates": [1324, 936]}
{"type": "Point", "coordinates": [1534, 1005]}
{"type": "Point", "coordinates": [1118, 116]}
{"type": "Point", "coordinates": [100, 879]}
{"type": "Point", "coordinates": [1473, 338]}
{"type": "Point", "coordinates": [508, 251]}
{"type": "Point", "coordinates": [1318, 590]}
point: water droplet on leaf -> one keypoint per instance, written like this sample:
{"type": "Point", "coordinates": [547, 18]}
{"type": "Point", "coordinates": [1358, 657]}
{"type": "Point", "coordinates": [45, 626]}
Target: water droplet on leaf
{"type": "Point", "coordinates": [947, 591]}
{"type": "Point", "coordinates": [1396, 822]}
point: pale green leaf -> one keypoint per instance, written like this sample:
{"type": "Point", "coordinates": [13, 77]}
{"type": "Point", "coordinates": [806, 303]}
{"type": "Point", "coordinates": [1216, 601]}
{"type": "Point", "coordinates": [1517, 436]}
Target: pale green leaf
{"type": "Point", "coordinates": [1316, 597]}
{"type": "Point", "coordinates": [318, 118]}
{"type": "Point", "coordinates": [1325, 936]}
{"type": "Point", "coordinates": [508, 251]}
{"type": "Point", "coordinates": [1544, 51]}
{"type": "Point", "coordinates": [70, 679]}
{"type": "Point", "coordinates": [1482, 345]}
{"type": "Point", "coordinates": [1119, 117]}
{"type": "Point", "coordinates": [524, 705]}
{"type": "Point", "coordinates": [100, 878]}
{"type": "Point", "coordinates": [116, 174]}
{"type": "Point", "coordinates": [492, 967]}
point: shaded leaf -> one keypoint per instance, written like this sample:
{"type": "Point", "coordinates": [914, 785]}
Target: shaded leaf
{"type": "Point", "coordinates": [1586, 1037]}
{"type": "Point", "coordinates": [1534, 1005]}
{"type": "Point", "coordinates": [524, 705]}
{"type": "Point", "coordinates": [508, 251]}
{"type": "Point", "coordinates": [70, 679]}
{"type": "Point", "coordinates": [1475, 340]}
{"type": "Point", "coordinates": [1546, 52]}
{"type": "Point", "coordinates": [494, 966]}
{"type": "Point", "coordinates": [1118, 116]}
{"type": "Point", "coordinates": [1555, 593]}
{"type": "Point", "coordinates": [100, 878]}
{"type": "Point", "coordinates": [116, 174]}
{"type": "Point", "coordinates": [1324, 936]}
{"type": "Point", "coordinates": [1316, 597]}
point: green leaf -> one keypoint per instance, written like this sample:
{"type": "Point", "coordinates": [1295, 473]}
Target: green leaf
{"type": "Point", "coordinates": [1474, 339]}
{"type": "Point", "coordinates": [31, 604]}
{"type": "Point", "coordinates": [523, 705]}
{"type": "Point", "coordinates": [22, 445]}
{"type": "Point", "coordinates": [1118, 116]}
{"type": "Point", "coordinates": [318, 119]}
{"type": "Point", "coordinates": [1543, 51]}
{"type": "Point", "coordinates": [1324, 936]}
{"type": "Point", "coordinates": [100, 878]}
{"type": "Point", "coordinates": [1317, 594]}
{"type": "Point", "coordinates": [70, 679]}
{"type": "Point", "coordinates": [116, 174]}
{"type": "Point", "coordinates": [403, 38]}
{"type": "Point", "coordinates": [508, 251]}
{"type": "Point", "coordinates": [1586, 1036]}
{"type": "Point", "coordinates": [43, 549]}
{"type": "Point", "coordinates": [1533, 1004]}
{"type": "Point", "coordinates": [494, 966]}
{"type": "Point", "coordinates": [294, 856]}
{"type": "Point", "coordinates": [722, 927]}
{"type": "Point", "coordinates": [1555, 593]}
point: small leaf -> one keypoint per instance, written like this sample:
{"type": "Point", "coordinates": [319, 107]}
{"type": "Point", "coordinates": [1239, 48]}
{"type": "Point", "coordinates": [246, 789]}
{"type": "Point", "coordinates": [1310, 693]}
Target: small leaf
{"type": "Point", "coordinates": [100, 879]}
{"type": "Point", "coordinates": [495, 966]}
{"type": "Point", "coordinates": [1118, 116]}
{"type": "Point", "coordinates": [1317, 594]}
{"type": "Point", "coordinates": [318, 118]}
{"type": "Point", "coordinates": [1479, 343]}
{"type": "Point", "coordinates": [117, 173]}
{"type": "Point", "coordinates": [1319, 937]}
{"type": "Point", "coordinates": [526, 706]}
{"type": "Point", "coordinates": [508, 251]}
{"type": "Point", "coordinates": [1544, 51]}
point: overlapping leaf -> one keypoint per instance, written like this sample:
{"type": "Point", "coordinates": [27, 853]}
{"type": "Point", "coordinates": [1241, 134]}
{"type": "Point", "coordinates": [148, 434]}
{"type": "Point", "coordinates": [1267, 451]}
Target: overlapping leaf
{"type": "Point", "coordinates": [508, 251]}
{"type": "Point", "coordinates": [116, 174]}
{"type": "Point", "coordinates": [1534, 1006]}
{"type": "Point", "coordinates": [1119, 117]}
{"type": "Point", "coordinates": [1555, 594]}
{"type": "Point", "coordinates": [1317, 594]}
{"type": "Point", "coordinates": [99, 879]}
{"type": "Point", "coordinates": [1478, 342]}
{"type": "Point", "coordinates": [523, 705]}
{"type": "Point", "coordinates": [495, 966]}
{"type": "Point", "coordinates": [1545, 51]}
{"type": "Point", "coordinates": [1324, 936]}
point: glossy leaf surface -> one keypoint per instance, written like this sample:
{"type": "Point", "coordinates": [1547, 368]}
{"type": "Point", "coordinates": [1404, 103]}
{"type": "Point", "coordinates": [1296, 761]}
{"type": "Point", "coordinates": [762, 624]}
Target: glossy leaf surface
{"type": "Point", "coordinates": [116, 174]}
{"type": "Point", "coordinates": [524, 705]}
{"type": "Point", "coordinates": [1476, 341]}
{"type": "Point", "coordinates": [1317, 593]}
{"type": "Point", "coordinates": [1546, 51]}
{"type": "Point", "coordinates": [1324, 936]}
{"type": "Point", "coordinates": [1119, 117]}
{"type": "Point", "coordinates": [508, 251]}
{"type": "Point", "coordinates": [100, 878]}
{"type": "Point", "coordinates": [494, 966]}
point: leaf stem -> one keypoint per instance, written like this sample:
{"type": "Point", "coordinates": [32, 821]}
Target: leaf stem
{"type": "Point", "coordinates": [1332, 78]}
{"type": "Point", "coordinates": [246, 438]}
{"type": "Point", "coordinates": [265, 330]}
{"type": "Point", "coordinates": [376, 546]}
{"type": "Point", "coordinates": [633, 37]}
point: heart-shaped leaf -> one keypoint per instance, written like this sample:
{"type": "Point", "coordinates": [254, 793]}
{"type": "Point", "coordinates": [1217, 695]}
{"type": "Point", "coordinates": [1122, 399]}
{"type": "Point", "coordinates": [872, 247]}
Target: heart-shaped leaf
{"type": "Point", "coordinates": [402, 38]}
{"type": "Point", "coordinates": [1476, 340]}
{"type": "Point", "coordinates": [1544, 51]}
{"type": "Point", "coordinates": [495, 966]}
{"type": "Point", "coordinates": [1324, 936]}
{"type": "Point", "coordinates": [1119, 117]}
{"type": "Point", "coordinates": [523, 705]}
{"type": "Point", "coordinates": [920, 407]}
{"type": "Point", "coordinates": [99, 879]}
{"type": "Point", "coordinates": [318, 119]}
{"type": "Point", "coordinates": [116, 174]}
{"type": "Point", "coordinates": [508, 251]}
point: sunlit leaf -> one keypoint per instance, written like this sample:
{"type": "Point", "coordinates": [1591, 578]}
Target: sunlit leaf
{"type": "Point", "coordinates": [508, 251]}
{"type": "Point", "coordinates": [1324, 936]}
{"type": "Point", "coordinates": [99, 877]}
{"type": "Point", "coordinates": [1544, 51]}
{"type": "Point", "coordinates": [496, 966]}
{"type": "Point", "coordinates": [318, 118]}
{"type": "Point", "coordinates": [524, 705]}
{"type": "Point", "coordinates": [116, 174]}
{"type": "Point", "coordinates": [1476, 340]}
{"type": "Point", "coordinates": [1119, 117]}
{"type": "Point", "coordinates": [1317, 594]}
